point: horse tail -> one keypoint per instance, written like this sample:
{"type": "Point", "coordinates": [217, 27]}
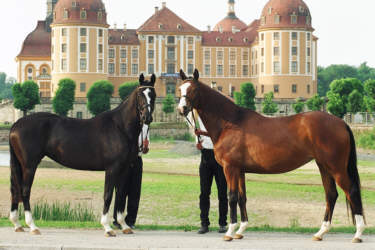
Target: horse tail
{"type": "Point", "coordinates": [355, 188]}
{"type": "Point", "coordinates": [15, 175]}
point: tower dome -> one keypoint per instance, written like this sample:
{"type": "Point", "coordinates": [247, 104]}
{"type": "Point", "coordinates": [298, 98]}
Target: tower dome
{"type": "Point", "coordinates": [286, 14]}
{"type": "Point", "coordinates": [80, 11]}
{"type": "Point", "coordinates": [231, 21]}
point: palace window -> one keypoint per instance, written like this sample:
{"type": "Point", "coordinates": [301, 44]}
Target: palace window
{"type": "Point", "coordinates": [293, 19]}
{"type": "Point", "coordinates": [83, 31]}
{"type": "Point", "coordinates": [262, 89]}
{"type": "Point", "coordinates": [207, 69]}
{"type": "Point", "coordinates": [82, 64]}
{"type": "Point", "coordinates": [190, 40]}
{"type": "Point", "coordinates": [276, 51]}
{"type": "Point", "coordinates": [66, 14]}
{"type": "Point", "coordinates": [263, 20]}
{"type": "Point", "coordinates": [171, 88]}
{"type": "Point", "coordinates": [190, 68]}
{"type": "Point", "coordinates": [220, 55]}
{"type": "Point", "coordinates": [83, 47]}
{"type": "Point", "coordinates": [308, 67]}
{"type": "Point", "coordinates": [135, 54]}
{"type": "Point", "coordinates": [83, 14]}
{"type": "Point", "coordinates": [294, 88]}
{"type": "Point", "coordinates": [100, 15]}
{"type": "Point", "coordinates": [276, 88]}
{"type": "Point", "coordinates": [171, 68]}
{"type": "Point", "coordinates": [219, 70]}
{"type": "Point", "coordinates": [276, 19]}
{"type": "Point", "coordinates": [150, 39]}
{"type": "Point", "coordinates": [63, 64]}
{"type": "Point", "coordinates": [151, 68]}
{"type": "Point", "coordinates": [30, 70]}
{"type": "Point", "coordinates": [171, 55]}
{"type": "Point", "coordinates": [276, 67]}
{"type": "Point", "coordinates": [111, 68]}
{"type": "Point", "coordinates": [100, 48]}
{"type": "Point", "coordinates": [294, 36]}
{"type": "Point", "coordinates": [245, 70]}
{"type": "Point", "coordinates": [123, 68]}
{"type": "Point", "coordinates": [134, 69]}
{"type": "Point", "coordinates": [245, 55]}
{"type": "Point", "coordinates": [100, 64]}
{"type": "Point", "coordinates": [232, 55]}
{"type": "Point", "coordinates": [100, 34]}
{"type": "Point", "coordinates": [262, 67]}
{"type": "Point", "coordinates": [63, 32]}
{"type": "Point", "coordinates": [123, 53]}
{"type": "Point", "coordinates": [232, 70]}
{"type": "Point", "coordinates": [308, 20]}
{"type": "Point", "coordinates": [262, 37]}
{"type": "Point", "coordinates": [82, 87]}
{"type": "Point", "coordinates": [63, 48]}
{"type": "Point", "coordinates": [262, 52]}
{"type": "Point", "coordinates": [308, 89]}
{"type": "Point", "coordinates": [151, 54]}
{"type": "Point", "coordinates": [294, 51]}
{"type": "Point", "coordinates": [111, 53]}
{"type": "Point", "coordinates": [308, 35]}
{"type": "Point", "coordinates": [190, 54]}
{"type": "Point", "coordinates": [294, 66]}
{"type": "Point", "coordinates": [207, 55]}
{"type": "Point", "coordinates": [276, 36]}
{"type": "Point", "coordinates": [308, 51]}
{"type": "Point", "coordinates": [171, 39]}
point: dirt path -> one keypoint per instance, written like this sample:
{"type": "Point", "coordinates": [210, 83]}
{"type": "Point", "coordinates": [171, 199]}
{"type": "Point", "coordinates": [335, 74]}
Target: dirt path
{"type": "Point", "coordinates": [94, 239]}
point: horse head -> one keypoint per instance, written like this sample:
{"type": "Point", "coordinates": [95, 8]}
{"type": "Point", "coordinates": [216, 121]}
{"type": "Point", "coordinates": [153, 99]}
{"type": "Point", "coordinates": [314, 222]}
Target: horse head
{"type": "Point", "coordinates": [189, 93]}
{"type": "Point", "coordinates": [146, 96]}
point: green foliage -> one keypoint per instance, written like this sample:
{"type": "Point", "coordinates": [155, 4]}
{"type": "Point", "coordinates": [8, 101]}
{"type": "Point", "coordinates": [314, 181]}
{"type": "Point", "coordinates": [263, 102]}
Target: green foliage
{"type": "Point", "coordinates": [299, 106]}
{"type": "Point", "coordinates": [331, 73]}
{"type": "Point", "coordinates": [366, 139]}
{"type": "Point", "coordinates": [6, 86]}
{"type": "Point", "coordinates": [64, 98]}
{"type": "Point", "coordinates": [126, 89]}
{"type": "Point", "coordinates": [365, 73]}
{"type": "Point", "coordinates": [26, 96]}
{"type": "Point", "coordinates": [315, 103]}
{"type": "Point", "coordinates": [269, 106]}
{"type": "Point", "coordinates": [355, 102]}
{"type": "Point", "coordinates": [369, 99]}
{"type": "Point", "coordinates": [335, 105]}
{"type": "Point", "coordinates": [168, 104]}
{"type": "Point", "coordinates": [99, 97]}
{"type": "Point", "coordinates": [246, 97]}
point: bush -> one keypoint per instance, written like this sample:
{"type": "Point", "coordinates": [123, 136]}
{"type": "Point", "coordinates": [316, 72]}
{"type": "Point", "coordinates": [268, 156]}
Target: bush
{"type": "Point", "coordinates": [269, 107]}
{"type": "Point", "coordinates": [168, 104]}
{"type": "Point", "coordinates": [26, 96]}
{"type": "Point", "coordinates": [366, 139]}
{"type": "Point", "coordinates": [64, 98]}
{"type": "Point", "coordinates": [299, 106]}
{"type": "Point", "coordinates": [99, 97]}
{"type": "Point", "coordinates": [126, 89]}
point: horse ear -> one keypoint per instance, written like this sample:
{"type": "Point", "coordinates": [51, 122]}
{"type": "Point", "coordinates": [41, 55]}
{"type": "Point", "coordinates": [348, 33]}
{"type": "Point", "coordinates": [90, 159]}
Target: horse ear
{"type": "Point", "coordinates": [141, 79]}
{"type": "Point", "coordinates": [196, 74]}
{"type": "Point", "coordinates": [182, 75]}
{"type": "Point", "coordinates": [153, 80]}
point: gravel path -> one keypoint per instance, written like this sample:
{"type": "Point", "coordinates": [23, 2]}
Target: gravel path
{"type": "Point", "coordinates": [94, 239]}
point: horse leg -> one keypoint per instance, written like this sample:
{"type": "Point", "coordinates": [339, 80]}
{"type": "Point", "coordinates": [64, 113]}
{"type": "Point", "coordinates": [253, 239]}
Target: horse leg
{"type": "Point", "coordinates": [242, 204]}
{"type": "Point", "coordinates": [28, 178]}
{"type": "Point", "coordinates": [120, 201]}
{"type": "Point", "coordinates": [110, 181]}
{"type": "Point", "coordinates": [331, 197]}
{"type": "Point", "coordinates": [232, 177]}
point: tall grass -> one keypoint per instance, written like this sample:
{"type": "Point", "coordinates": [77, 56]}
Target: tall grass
{"type": "Point", "coordinates": [366, 139]}
{"type": "Point", "coordinates": [58, 211]}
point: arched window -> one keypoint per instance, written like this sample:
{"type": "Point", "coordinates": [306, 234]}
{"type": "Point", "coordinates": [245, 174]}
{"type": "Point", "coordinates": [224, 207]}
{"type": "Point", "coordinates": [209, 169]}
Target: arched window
{"type": "Point", "coordinates": [100, 15]}
{"type": "Point", "coordinates": [66, 14]}
{"type": "Point", "coordinates": [30, 70]}
{"type": "Point", "coordinates": [44, 71]}
{"type": "Point", "coordinates": [83, 14]}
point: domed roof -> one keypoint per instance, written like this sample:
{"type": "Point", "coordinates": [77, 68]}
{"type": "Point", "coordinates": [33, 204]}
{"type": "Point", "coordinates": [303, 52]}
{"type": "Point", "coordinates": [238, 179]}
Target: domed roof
{"type": "Point", "coordinates": [80, 11]}
{"type": "Point", "coordinates": [37, 43]}
{"type": "Point", "coordinates": [228, 22]}
{"type": "Point", "coordinates": [286, 14]}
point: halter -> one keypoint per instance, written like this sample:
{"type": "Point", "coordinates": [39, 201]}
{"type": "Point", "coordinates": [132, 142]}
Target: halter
{"type": "Point", "coordinates": [195, 122]}
{"type": "Point", "coordinates": [139, 112]}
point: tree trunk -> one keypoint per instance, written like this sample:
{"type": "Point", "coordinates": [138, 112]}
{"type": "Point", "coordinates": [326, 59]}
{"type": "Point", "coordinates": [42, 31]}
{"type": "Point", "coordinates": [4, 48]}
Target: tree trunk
{"type": "Point", "coordinates": [24, 113]}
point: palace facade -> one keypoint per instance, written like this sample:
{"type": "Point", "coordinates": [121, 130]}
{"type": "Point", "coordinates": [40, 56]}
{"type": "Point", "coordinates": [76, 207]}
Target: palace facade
{"type": "Point", "coordinates": [277, 52]}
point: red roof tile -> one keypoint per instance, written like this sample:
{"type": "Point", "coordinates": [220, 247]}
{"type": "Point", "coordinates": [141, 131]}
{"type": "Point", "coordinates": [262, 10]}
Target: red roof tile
{"type": "Point", "coordinates": [118, 36]}
{"type": "Point", "coordinates": [37, 43]}
{"type": "Point", "coordinates": [165, 20]}
{"type": "Point", "coordinates": [215, 38]}
{"type": "Point", "coordinates": [228, 22]}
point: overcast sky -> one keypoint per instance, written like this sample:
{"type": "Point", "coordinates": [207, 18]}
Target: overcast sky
{"type": "Point", "coordinates": [345, 27]}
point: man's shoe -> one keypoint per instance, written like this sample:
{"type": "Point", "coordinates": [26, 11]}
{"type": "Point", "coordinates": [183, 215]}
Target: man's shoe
{"type": "Point", "coordinates": [222, 229]}
{"type": "Point", "coordinates": [116, 224]}
{"type": "Point", "coordinates": [203, 230]}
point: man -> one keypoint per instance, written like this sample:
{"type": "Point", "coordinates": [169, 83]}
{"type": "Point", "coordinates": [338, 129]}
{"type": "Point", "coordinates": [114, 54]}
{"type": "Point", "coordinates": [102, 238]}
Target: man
{"type": "Point", "coordinates": [208, 169]}
{"type": "Point", "coordinates": [133, 182]}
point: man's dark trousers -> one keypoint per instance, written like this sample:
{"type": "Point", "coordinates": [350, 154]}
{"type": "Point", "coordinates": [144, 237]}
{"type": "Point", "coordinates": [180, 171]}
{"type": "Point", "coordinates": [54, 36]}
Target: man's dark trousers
{"type": "Point", "coordinates": [208, 169]}
{"type": "Point", "coordinates": [133, 183]}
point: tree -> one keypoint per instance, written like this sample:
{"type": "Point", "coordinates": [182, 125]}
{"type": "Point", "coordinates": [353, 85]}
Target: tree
{"type": "Point", "coordinates": [365, 72]}
{"type": "Point", "coordinates": [369, 100]}
{"type": "Point", "coordinates": [355, 102]}
{"type": "Point", "coordinates": [6, 86]}
{"type": "Point", "coordinates": [26, 96]}
{"type": "Point", "coordinates": [168, 104]}
{"type": "Point", "coordinates": [335, 105]}
{"type": "Point", "coordinates": [126, 89]}
{"type": "Point", "coordinates": [269, 107]}
{"type": "Point", "coordinates": [64, 98]}
{"type": "Point", "coordinates": [331, 73]}
{"type": "Point", "coordinates": [315, 103]}
{"type": "Point", "coordinates": [247, 95]}
{"type": "Point", "coordinates": [237, 98]}
{"type": "Point", "coordinates": [299, 106]}
{"type": "Point", "coordinates": [99, 97]}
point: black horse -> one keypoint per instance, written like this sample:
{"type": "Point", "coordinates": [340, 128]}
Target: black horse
{"type": "Point", "coordinates": [106, 142]}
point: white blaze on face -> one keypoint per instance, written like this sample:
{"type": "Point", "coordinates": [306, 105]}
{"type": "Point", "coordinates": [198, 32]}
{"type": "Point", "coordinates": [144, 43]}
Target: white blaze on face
{"type": "Point", "coordinates": [183, 89]}
{"type": "Point", "coordinates": [146, 92]}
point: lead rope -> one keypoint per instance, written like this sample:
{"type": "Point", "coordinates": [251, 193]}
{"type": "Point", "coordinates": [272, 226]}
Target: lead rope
{"type": "Point", "coordinates": [195, 124]}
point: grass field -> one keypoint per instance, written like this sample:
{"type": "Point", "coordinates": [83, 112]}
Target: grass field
{"type": "Point", "coordinates": [170, 195]}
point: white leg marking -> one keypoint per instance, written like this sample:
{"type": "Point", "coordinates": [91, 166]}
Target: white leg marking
{"type": "Point", "coordinates": [242, 228]}
{"type": "Point", "coordinates": [105, 222]}
{"type": "Point", "coordinates": [147, 98]}
{"type": "Point", "coordinates": [121, 221]}
{"type": "Point", "coordinates": [14, 219]}
{"type": "Point", "coordinates": [360, 226]}
{"type": "Point", "coordinates": [231, 229]}
{"type": "Point", "coordinates": [29, 221]}
{"type": "Point", "coordinates": [326, 226]}
{"type": "Point", "coordinates": [183, 89]}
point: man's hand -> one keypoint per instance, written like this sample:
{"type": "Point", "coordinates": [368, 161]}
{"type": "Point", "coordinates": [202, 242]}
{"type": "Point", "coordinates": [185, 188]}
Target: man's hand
{"type": "Point", "coordinates": [200, 132]}
{"type": "Point", "coordinates": [199, 146]}
{"type": "Point", "coordinates": [145, 146]}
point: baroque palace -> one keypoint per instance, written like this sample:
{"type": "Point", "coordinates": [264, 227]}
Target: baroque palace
{"type": "Point", "coordinates": [277, 52]}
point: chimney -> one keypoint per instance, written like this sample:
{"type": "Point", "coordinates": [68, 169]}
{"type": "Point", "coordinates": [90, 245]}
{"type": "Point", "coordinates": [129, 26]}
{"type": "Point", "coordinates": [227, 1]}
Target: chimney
{"type": "Point", "coordinates": [209, 28]}
{"type": "Point", "coordinates": [156, 9]}
{"type": "Point", "coordinates": [164, 4]}
{"type": "Point", "coordinates": [125, 27]}
{"type": "Point", "coordinates": [115, 26]}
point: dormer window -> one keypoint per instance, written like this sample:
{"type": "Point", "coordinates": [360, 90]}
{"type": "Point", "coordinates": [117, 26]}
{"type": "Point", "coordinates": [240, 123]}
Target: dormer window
{"type": "Point", "coordinates": [54, 15]}
{"type": "Point", "coordinates": [75, 4]}
{"type": "Point", "coordinates": [179, 26]}
{"type": "Point", "coordinates": [83, 14]}
{"type": "Point", "coordinates": [160, 26]}
{"type": "Point", "coordinates": [263, 20]}
{"type": "Point", "coordinates": [218, 39]}
{"type": "Point", "coordinates": [66, 14]}
{"type": "Point", "coordinates": [100, 15]}
{"type": "Point", "coordinates": [293, 19]}
{"type": "Point", "coordinates": [276, 19]}
{"type": "Point", "coordinates": [230, 39]}
{"type": "Point", "coordinates": [270, 10]}
{"type": "Point", "coordinates": [245, 40]}
{"type": "Point", "coordinates": [308, 20]}
{"type": "Point", "coordinates": [301, 9]}
{"type": "Point", "coordinates": [122, 37]}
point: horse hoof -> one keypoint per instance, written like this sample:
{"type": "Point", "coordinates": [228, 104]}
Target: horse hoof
{"type": "Point", "coordinates": [19, 230]}
{"type": "Point", "coordinates": [315, 238]}
{"type": "Point", "coordinates": [227, 238]}
{"type": "Point", "coordinates": [238, 236]}
{"type": "Point", "coordinates": [127, 231]}
{"type": "Point", "coordinates": [35, 232]}
{"type": "Point", "coordinates": [110, 234]}
{"type": "Point", "coordinates": [357, 240]}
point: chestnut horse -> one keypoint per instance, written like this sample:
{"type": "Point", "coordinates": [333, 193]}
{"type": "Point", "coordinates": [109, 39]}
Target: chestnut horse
{"type": "Point", "coordinates": [106, 142]}
{"type": "Point", "coordinates": [247, 142]}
